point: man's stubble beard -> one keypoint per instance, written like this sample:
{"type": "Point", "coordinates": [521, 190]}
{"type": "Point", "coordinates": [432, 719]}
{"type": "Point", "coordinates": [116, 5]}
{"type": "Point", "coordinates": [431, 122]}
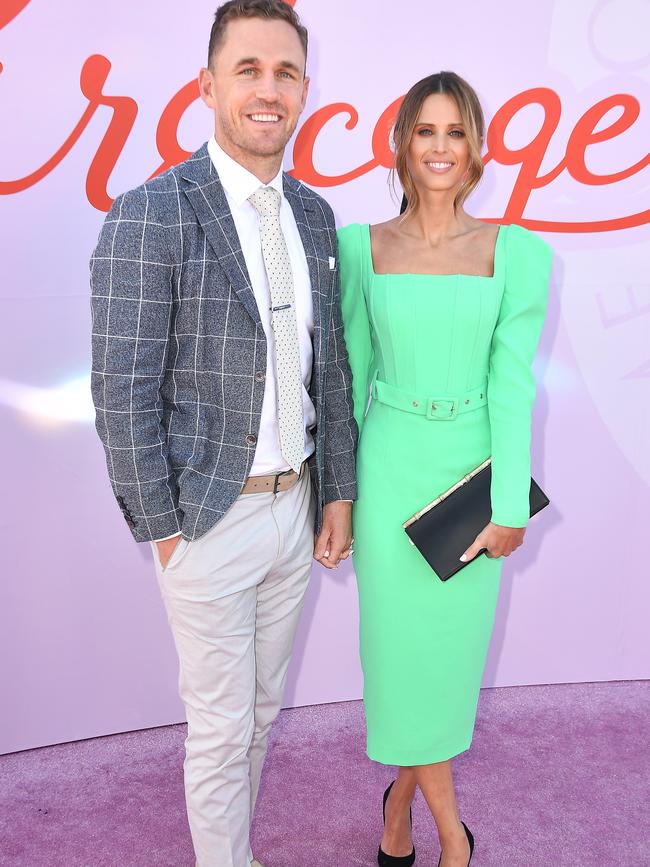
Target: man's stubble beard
{"type": "Point", "coordinates": [238, 140]}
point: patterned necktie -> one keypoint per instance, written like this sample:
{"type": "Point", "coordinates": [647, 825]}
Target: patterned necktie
{"type": "Point", "coordinates": [266, 202]}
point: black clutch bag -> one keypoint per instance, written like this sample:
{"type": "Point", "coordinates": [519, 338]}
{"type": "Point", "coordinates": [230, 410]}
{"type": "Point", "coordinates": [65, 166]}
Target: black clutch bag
{"type": "Point", "coordinates": [444, 530]}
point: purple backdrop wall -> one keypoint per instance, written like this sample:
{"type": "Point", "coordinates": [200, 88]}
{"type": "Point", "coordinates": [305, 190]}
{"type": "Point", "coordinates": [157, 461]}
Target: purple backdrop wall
{"type": "Point", "coordinates": [85, 646]}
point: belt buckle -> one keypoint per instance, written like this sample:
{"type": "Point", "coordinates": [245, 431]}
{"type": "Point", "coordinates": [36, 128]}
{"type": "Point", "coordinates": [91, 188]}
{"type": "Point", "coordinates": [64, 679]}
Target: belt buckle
{"type": "Point", "coordinates": [442, 409]}
{"type": "Point", "coordinates": [278, 476]}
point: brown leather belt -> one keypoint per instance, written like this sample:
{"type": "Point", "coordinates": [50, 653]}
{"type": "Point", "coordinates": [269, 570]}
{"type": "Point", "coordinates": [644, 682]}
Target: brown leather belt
{"type": "Point", "coordinates": [274, 483]}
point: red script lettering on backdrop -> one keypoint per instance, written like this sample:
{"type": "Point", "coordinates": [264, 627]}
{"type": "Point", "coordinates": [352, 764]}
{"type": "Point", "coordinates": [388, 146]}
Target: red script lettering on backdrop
{"type": "Point", "coordinates": [529, 158]}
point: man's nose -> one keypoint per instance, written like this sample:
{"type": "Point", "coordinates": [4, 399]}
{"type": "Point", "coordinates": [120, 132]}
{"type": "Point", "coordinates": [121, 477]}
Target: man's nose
{"type": "Point", "coordinates": [267, 88]}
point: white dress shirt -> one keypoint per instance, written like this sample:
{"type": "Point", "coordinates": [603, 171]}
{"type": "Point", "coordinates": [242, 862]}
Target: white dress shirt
{"type": "Point", "coordinates": [239, 184]}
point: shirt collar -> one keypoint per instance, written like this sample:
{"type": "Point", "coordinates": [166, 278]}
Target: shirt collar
{"type": "Point", "coordinates": [237, 181]}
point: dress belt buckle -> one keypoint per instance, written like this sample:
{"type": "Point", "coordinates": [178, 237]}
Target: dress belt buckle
{"type": "Point", "coordinates": [442, 409]}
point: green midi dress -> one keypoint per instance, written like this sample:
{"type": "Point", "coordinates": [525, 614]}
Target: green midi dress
{"type": "Point", "coordinates": [447, 359]}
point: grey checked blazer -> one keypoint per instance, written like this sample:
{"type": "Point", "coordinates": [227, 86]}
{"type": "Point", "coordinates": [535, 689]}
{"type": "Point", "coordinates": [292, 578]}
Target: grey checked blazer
{"type": "Point", "coordinates": [179, 352]}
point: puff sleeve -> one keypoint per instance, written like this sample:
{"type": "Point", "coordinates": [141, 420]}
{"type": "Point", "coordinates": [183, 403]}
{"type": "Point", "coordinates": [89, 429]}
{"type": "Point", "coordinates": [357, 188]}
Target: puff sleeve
{"type": "Point", "coordinates": [356, 324]}
{"type": "Point", "coordinates": [511, 385]}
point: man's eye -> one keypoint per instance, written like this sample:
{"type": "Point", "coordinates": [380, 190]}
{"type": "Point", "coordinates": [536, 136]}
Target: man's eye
{"type": "Point", "coordinates": [285, 74]}
{"type": "Point", "coordinates": [247, 71]}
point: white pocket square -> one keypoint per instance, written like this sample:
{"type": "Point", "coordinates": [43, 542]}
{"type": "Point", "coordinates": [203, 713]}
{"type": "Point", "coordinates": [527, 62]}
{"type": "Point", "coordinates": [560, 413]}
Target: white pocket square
{"type": "Point", "coordinates": [332, 263]}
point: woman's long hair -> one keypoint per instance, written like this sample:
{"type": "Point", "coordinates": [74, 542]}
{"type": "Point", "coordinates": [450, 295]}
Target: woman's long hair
{"type": "Point", "coordinates": [471, 115]}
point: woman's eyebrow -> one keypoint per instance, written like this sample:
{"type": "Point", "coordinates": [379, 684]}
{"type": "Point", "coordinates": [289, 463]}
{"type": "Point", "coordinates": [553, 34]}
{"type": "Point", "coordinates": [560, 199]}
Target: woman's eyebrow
{"type": "Point", "coordinates": [427, 123]}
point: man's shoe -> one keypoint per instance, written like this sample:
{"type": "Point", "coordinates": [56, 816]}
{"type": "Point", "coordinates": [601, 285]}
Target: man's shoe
{"type": "Point", "coordinates": [254, 863]}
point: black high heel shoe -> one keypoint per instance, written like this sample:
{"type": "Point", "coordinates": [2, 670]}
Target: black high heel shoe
{"type": "Point", "coordinates": [385, 860]}
{"type": "Point", "coordinates": [470, 840]}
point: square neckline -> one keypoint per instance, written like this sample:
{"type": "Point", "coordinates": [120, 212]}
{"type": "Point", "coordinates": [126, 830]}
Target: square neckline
{"type": "Point", "coordinates": [496, 261]}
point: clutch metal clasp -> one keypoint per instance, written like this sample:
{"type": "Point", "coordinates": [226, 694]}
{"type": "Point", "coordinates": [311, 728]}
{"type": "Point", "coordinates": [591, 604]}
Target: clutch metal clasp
{"type": "Point", "coordinates": [439, 499]}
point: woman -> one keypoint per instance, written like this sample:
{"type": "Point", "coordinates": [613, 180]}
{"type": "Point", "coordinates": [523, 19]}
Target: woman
{"type": "Point", "coordinates": [442, 316]}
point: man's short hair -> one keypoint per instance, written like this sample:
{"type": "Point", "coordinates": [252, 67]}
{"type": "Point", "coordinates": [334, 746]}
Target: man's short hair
{"type": "Point", "coordinates": [234, 9]}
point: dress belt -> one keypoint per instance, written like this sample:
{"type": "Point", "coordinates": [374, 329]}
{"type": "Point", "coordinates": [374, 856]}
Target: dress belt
{"type": "Point", "coordinates": [273, 483]}
{"type": "Point", "coordinates": [442, 408]}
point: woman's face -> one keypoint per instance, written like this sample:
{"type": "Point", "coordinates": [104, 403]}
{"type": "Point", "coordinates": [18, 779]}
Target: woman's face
{"type": "Point", "coordinates": [438, 154]}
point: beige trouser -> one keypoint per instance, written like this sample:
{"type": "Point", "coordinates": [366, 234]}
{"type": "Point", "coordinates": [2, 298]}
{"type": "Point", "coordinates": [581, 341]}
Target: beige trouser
{"type": "Point", "coordinates": [233, 600]}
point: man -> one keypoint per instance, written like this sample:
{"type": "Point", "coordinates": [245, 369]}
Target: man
{"type": "Point", "coordinates": [219, 374]}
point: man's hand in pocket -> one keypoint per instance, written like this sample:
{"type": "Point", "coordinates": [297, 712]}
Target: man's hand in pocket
{"type": "Point", "coordinates": [166, 549]}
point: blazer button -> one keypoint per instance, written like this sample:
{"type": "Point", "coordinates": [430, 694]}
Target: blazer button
{"type": "Point", "coordinates": [251, 439]}
{"type": "Point", "coordinates": [260, 376]}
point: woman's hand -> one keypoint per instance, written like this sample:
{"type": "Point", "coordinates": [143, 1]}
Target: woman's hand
{"type": "Point", "coordinates": [497, 540]}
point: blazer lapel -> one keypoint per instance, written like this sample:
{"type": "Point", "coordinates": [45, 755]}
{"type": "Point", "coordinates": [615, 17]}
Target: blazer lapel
{"type": "Point", "coordinates": [317, 256]}
{"type": "Point", "coordinates": [208, 199]}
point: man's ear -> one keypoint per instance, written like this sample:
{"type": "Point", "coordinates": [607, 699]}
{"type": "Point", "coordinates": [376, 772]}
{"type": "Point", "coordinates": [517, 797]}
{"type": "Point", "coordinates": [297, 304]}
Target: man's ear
{"type": "Point", "coordinates": [206, 87]}
{"type": "Point", "coordinates": [305, 91]}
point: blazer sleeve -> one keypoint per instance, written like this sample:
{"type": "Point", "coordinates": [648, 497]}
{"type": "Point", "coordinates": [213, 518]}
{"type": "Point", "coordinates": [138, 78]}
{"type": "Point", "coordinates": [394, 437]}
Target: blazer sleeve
{"type": "Point", "coordinates": [340, 430]}
{"type": "Point", "coordinates": [131, 302]}
{"type": "Point", "coordinates": [356, 325]}
{"type": "Point", "coordinates": [511, 385]}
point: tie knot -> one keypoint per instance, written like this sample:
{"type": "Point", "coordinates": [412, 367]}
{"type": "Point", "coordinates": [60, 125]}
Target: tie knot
{"type": "Point", "coordinates": [266, 201]}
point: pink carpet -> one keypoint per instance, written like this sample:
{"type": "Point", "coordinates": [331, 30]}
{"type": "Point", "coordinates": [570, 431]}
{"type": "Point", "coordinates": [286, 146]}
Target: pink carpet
{"type": "Point", "coordinates": [558, 776]}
